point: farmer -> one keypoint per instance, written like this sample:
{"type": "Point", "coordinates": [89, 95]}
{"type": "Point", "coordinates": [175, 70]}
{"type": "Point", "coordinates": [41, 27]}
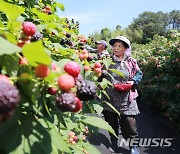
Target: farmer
{"type": "Point", "coordinates": [123, 94]}
{"type": "Point", "coordinates": [101, 49]}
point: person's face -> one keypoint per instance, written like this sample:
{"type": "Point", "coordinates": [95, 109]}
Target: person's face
{"type": "Point", "coordinates": [118, 49]}
{"type": "Point", "coordinates": [100, 47]}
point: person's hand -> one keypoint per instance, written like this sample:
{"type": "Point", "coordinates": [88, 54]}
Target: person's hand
{"type": "Point", "coordinates": [130, 82]}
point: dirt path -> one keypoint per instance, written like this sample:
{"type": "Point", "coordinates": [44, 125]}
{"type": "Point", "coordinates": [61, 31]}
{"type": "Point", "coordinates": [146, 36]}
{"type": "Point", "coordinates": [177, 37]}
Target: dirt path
{"type": "Point", "coordinates": [149, 126]}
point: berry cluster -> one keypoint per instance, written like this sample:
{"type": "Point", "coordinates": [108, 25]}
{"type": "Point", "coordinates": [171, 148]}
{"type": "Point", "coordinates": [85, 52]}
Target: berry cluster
{"type": "Point", "coordinates": [47, 10]}
{"type": "Point", "coordinates": [73, 139]}
{"type": "Point", "coordinates": [29, 34]}
{"type": "Point", "coordinates": [67, 101]}
{"type": "Point", "coordinates": [97, 68]}
{"type": "Point", "coordinates": [84, 54]}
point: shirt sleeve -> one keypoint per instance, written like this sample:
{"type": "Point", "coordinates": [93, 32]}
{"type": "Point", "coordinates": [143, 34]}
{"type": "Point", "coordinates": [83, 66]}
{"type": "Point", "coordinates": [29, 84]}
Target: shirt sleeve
{"type": "Point", "coordinates": [137, 77]}
{"type": "Point", "coordinates": [90, 49]}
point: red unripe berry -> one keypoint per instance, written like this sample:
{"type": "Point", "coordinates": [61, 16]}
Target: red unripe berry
{"type": "Point", "coordinates": [75, 138]}
{"type": "Point", "coordinates": [72, 68]}
{"type": "Point", "coordinates": [71, 134]}
{"type": "Point", "coordinates": [29, 28]}
{"type": "Point", "coordinates": [84, 51]}
{"type": "Point", "coordinates": [85, 40]}
{"type": "Point", "coordinates": [97, 65]}
{"type": "Point", "coordinates": [71, 140]}
{"type": "Point", "coordinates": [78, 105]}
{"type": "Point", "coordinates": [66, 82]}
{"type": "Point", "coordinates": [42, 71]}
{"type": "Point", "coordinates": [48, 8]}
{"type": "Point", "coordinates": [97, 70]}
{"type": "Point", "coordinates": [81, 56]}
{"type": "Point", "coordinates": [53, 66]}
{"type": "Point", "coordinates": [21, 43]}
{"type": "Point", "coordinates": [52, 91]}
{"type": "Point", "coordinates": [86, 68]}
{"type": "Point", "coordinates": [23, 61]}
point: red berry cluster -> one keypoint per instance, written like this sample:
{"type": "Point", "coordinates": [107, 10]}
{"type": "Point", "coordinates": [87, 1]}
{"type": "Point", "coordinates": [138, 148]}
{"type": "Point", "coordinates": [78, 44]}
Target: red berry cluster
{"type": "Point", "coordinates": [97, 68]}
{"type": "Point", "coordinates": [73, 139]}
{"type": "Point", "coordinates": [47, 10]}
{"type": "Point", "coordinates": [29, 34]}
{"type": "Point", "coordinates": [82, 39]}
{"type": "Point", "coordinates": [84, 54]}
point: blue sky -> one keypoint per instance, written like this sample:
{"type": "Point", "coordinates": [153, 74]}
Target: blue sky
{"type": "Point", "coordinates": [97, 14]}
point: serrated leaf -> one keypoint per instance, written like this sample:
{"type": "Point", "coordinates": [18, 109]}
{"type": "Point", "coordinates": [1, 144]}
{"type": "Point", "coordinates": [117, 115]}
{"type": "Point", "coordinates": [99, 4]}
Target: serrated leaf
{"type": "Point", "coordinates": [41, 15]}
{"type": "Point", "coordinates": [61, 6]}
{"type": "Point", "coordinates": [107, 62]}
{"type": "Point", "coordinates": [12, 11]}
{"type": "Point", "coordinates": [91, 149]}
{"type": "Point", "coordinates": [27, 136]}
{"type": "Point", "coordinates": [8, 48]}
{"type": "Point", "coordinates": [36, 53]}
{"type": "Point", "coordinates": [117, 72]}
{"type": "Point", "coordinates": [97, 122]}
{"type": "Point", "coordinates": [58, 141]}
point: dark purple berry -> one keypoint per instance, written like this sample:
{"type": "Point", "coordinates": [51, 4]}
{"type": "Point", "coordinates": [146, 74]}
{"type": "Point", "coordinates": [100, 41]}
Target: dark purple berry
{"type": "Point", "coordinates": [86, 90]}
{"type": "Point", "coordinates": [37, 36]}
{"type": "Point", "coordinates": [66, 102]}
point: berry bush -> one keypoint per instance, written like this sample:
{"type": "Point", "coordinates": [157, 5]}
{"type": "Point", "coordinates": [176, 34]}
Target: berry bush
{"type": "Point", "coordinates": [160, 63]}
{"type": "Point", "coordinates": [48, 81]}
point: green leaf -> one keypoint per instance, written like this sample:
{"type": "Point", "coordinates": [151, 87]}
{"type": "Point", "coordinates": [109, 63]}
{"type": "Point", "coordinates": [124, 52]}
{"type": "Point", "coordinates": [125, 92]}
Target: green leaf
{"type": "Point", "coordinates": [14, 26]}
{"type": "Point", "coordinates": [10, 64]}
{"type": "Point", "coordinates": [90, 148]}
{"type": "Point", "coordinates": [97, 122]}
{"type": "Point", "coordinates": [58, 141]}
{"type": "Point", "coordinates": [98, 108]}
{"type": "Point", "coordinates": [41, 15]}
{"type": "Point", "coordinates": [105, 93]}
{"type": "Point", "coordinates": [35, 53]}
{"type": "Point", "coordinates": [61, 6]}
{"type": "Point", "coordinates": [112, 107]}
{"type": "Point", "coordinates": [62, 62]}
{"type": "Point", "coordinates": [107, 62]}
{"type": "Point", "coordinates": [30, 90]}
{"type": "Point", "coordinates": [12, 11]}
{"type": "Point", "coordinates": [104, 84]}
{"type": "Point", "coordinates": [27, 136]}
{"type": "Point", "coordinates": [117, 72]}
{"type": "Point", "coordinates": [8, 48]}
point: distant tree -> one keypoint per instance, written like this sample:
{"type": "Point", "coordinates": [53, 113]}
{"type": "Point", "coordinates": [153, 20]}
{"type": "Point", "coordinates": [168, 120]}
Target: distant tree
{"type": "Point", "coordinates": [118, 27]}
{"type": "Point", "coordinates": [105, 33]}
{"type": "Point", "coordinates": [144, 27]}
{"type": "Point", "coordinates": [174, 19]}
{"type": "Point", "coordinates": [150, 23]}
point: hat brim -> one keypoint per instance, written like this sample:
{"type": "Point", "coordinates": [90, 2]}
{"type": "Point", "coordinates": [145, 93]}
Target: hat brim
{"type": "Point", "coordinates": [97, 42]}
{"type": "Point", "coordinates": [112, 41]}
